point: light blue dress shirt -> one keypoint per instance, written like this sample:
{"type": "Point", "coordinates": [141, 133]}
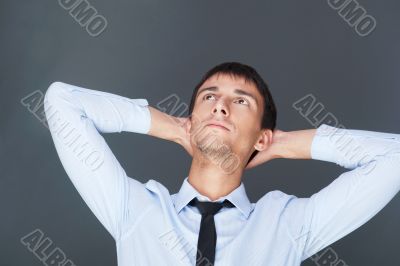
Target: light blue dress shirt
{"type": "Point", "coordinates": [152, 227]}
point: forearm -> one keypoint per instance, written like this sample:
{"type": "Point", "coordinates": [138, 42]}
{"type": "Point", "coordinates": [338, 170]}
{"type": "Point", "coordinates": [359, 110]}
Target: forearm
{"type": "Point", "coordinates": [165, 126]}
{"type": "Point", "coordinates": [294, 144]}
{"type": "Point", "coordinates": [110, 113]}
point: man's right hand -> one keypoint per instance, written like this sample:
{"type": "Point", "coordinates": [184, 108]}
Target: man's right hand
{"type": "Point", "coordinates": [170, 128]}
{"type": "Point", "coordinates": [184, 135]}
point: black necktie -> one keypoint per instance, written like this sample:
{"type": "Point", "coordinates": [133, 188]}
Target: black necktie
{"type": "Point", "coordinates": [207, 235]}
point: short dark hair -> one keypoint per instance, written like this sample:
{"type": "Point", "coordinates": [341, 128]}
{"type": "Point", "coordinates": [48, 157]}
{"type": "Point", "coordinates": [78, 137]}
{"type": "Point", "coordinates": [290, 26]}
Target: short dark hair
{"type": "Point", "coordinates": [249, 74]}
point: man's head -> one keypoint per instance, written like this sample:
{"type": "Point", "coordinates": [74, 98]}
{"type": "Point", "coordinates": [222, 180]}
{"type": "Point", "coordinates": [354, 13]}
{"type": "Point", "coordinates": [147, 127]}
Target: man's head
{"type": "Point", "coordinates": [233, 95]}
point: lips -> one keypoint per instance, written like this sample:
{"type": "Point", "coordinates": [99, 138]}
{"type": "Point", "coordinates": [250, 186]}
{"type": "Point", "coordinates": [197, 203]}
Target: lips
{"type": "Point", "coordinates": [217, 125]}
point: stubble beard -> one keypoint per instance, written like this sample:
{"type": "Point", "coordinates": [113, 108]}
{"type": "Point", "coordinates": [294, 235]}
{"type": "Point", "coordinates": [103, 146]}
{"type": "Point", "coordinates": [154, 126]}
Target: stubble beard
{"type": "Point", "coordinates": [213, 147]}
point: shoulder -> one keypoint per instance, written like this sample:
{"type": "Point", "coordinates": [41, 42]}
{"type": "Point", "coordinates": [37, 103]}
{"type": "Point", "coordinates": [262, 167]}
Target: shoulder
{"type": "Point", "coordinates": [278, 200]}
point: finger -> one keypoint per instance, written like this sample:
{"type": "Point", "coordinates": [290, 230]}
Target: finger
{"type": "Point", "coordinates": [250, 165]}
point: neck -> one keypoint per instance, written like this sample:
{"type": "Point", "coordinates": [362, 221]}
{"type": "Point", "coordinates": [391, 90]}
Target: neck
{"type": "Point", "coordinates": [210, 179]}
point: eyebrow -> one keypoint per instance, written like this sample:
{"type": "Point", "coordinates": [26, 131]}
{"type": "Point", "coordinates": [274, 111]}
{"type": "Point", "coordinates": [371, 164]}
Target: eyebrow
{"type": "Point", "coordinates": [237, 91]}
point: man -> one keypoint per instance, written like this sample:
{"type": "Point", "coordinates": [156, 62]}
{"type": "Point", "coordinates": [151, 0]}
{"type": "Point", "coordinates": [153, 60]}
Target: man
{"type": "Point", "coordinates": [210, 221]}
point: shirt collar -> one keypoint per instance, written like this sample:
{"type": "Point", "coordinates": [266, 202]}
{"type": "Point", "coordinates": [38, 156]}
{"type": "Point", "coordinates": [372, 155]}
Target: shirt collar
{"type": "Point", "coordinates": [237, 197]}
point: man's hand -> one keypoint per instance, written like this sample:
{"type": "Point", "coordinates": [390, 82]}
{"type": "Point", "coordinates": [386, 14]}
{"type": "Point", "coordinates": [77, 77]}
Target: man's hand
{"type": "Point", "coordinates": [184, 136]}
{"type": "Point", "coordinates": [271, 152]}
{"type": "Point", "coordinates": [289, 145]}
{"type": "Point", "coordinates": [170, 128]}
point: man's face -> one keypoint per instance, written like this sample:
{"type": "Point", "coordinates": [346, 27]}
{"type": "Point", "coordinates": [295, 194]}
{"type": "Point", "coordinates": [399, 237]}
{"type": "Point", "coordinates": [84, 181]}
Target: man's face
{"type": "Point", "coordinates": [234, 104]}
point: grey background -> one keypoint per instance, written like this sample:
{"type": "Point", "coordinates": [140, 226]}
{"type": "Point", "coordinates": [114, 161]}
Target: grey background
{"type": "Point", "coordinates": [152, 49]}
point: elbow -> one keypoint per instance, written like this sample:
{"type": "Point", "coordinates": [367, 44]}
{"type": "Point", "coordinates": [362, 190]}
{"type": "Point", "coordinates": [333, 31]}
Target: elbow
{"type": "Point", "coordinates": [53, 90]}
{"type": "Point", "coordinates": [53, 93]}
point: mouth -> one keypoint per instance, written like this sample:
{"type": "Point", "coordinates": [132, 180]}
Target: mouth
{"type": "Point", "coordinates": [218, 126]}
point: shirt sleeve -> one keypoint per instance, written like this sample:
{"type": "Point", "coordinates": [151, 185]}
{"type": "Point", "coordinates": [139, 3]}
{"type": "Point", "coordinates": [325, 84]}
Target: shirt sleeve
{"type": "Point", "coordinates": [76, 116]}
{"type": "Point", "coordinates": [355, 196]}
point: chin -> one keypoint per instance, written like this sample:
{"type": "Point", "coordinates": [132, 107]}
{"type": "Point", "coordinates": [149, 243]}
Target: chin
{"type": "Point", "coordinates": [214, 145]}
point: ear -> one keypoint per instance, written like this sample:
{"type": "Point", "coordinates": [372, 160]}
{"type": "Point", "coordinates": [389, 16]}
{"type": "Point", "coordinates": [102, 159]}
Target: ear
{"type": "Point", "coordinates": [264, 140]}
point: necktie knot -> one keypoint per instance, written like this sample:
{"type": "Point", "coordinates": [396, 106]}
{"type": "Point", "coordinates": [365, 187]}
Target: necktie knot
{"type": "Point", "coordinates": [208, 207]}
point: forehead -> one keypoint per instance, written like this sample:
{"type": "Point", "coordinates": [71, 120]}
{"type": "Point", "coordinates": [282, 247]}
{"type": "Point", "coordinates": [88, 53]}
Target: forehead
{"type": "Point", "coordinates": [229, 81]}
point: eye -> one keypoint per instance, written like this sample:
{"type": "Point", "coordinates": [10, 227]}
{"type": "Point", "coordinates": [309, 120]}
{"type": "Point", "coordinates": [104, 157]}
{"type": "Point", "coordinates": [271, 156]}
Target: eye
{"type": "Point", "coordinates": [205, 96]}
{"type": "Point", "coordinates": [243, 101]}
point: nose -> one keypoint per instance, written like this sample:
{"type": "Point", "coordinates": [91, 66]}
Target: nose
{"type": "Point", "coordinates": [220, 107]}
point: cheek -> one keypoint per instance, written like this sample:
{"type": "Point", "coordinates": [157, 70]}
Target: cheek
{"type": "Point", "coordinates": [196, 126]}
{"type": "Point", "coordinates": [247, 128]}
{"type": "Point", "coordinates": [245, 119]}
{"type": "Point", "coordinates": [200, 111]}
